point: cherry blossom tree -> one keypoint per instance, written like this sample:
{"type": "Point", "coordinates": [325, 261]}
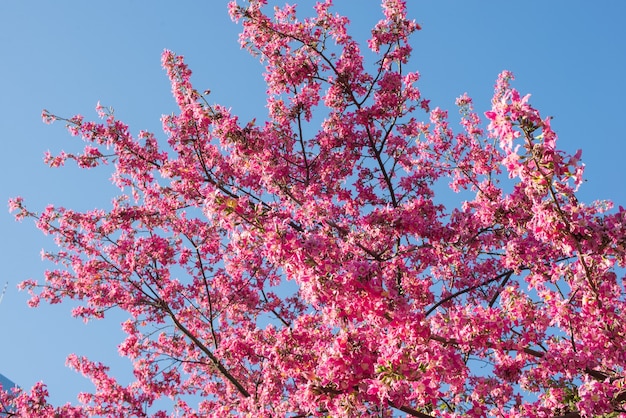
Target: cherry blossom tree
{"type": "Point", "coordinates": [303, 265]}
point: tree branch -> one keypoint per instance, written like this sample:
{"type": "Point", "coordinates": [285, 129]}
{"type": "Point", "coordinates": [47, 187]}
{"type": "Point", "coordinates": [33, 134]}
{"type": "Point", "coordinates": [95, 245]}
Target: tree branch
{"type": "Point", "coordinates": [206, 350]}
{"type": "Point", "coordinates": [468, 289]}
{"type": "Point", "coordinates": [410, 411]}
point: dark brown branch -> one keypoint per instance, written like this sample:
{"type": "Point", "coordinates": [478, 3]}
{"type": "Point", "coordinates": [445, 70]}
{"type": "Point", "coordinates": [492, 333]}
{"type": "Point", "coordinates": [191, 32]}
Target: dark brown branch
{"type": "Point", "coordinates": [206, 350]}
{"type": "Point", "coordinates": [505, 280]}
{"type": "Point", "coordinates": [468, 289]}
{"type": "Point", "coordinates": [569, 415]}
{"type": "Point", "coordinates": [410, 411]}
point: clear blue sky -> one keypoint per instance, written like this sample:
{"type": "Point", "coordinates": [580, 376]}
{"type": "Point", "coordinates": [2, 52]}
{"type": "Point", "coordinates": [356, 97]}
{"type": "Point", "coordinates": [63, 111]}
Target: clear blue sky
{"type": "Point", "coordinates": [66, 56]}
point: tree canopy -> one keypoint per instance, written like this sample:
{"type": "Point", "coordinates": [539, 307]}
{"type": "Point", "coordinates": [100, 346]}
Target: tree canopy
{"type": "Point", "coordinates": [304, 264]}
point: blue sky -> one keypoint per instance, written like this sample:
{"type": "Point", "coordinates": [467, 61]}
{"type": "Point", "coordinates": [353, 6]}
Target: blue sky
{"type": "Point", "coordinates": [66, 56]}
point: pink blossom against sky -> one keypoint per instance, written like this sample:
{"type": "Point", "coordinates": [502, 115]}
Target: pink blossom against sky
{"type": "Point", "coordinates": [67, 56]}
